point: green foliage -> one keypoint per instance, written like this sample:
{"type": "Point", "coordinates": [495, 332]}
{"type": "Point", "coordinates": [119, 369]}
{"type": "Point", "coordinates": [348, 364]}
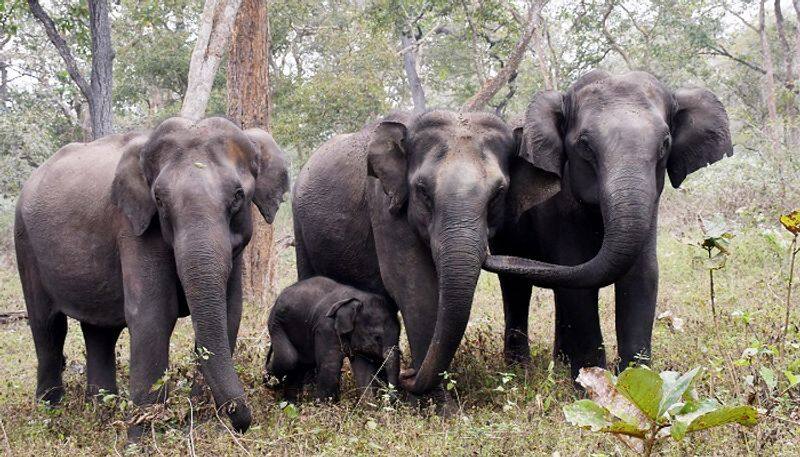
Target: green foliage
{"type": "Point", "coordinates": [649, 407]}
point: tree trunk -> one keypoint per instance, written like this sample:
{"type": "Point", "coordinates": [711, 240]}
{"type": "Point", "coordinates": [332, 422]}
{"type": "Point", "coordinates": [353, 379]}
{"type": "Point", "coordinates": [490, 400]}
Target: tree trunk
{"type": "Point", "coordinates": [216, 23]}
{"type": "Point", "coordinates": [409, 44]}
{"type": "Point", "coordinates": [249, 106]}
{"type": "Point", "coordinates": [770, 97]}
{"type": "Point", "coordinates": [102, 69]}
{"type": "Point", "coordinates": [491, 86]}
{"type": "Point", "coordinates": [98, 92]}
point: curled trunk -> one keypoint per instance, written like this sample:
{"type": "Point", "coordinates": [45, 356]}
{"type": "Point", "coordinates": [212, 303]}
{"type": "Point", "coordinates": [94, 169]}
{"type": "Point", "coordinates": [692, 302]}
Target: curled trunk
{"type": "Point", "coordinates": [628, 209]}
{"type": "Point", "coordinates": [203, 261]}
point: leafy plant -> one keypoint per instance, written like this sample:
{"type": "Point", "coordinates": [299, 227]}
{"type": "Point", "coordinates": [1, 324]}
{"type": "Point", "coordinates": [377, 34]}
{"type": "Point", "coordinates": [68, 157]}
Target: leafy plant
{"type": "Point", "coordinates": [643, 408]}
{"type": "Point", "coordinates": [716, 242]}
{"type": "Point", "coordinates": [791, 222]}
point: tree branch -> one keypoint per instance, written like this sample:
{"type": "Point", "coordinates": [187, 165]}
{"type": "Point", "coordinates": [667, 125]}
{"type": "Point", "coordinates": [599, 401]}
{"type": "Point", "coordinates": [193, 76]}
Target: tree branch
{"type": "Point", "coordinates": [611, 41]}
{"type": "Point", "coordinates": [61, 45]}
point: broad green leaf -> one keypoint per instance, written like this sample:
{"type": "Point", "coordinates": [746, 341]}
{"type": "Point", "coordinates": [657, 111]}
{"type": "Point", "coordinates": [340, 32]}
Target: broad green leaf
{"type": "Point", "coordinates": [717, 262]}
{"type": "Point", "coordinates": [599, 384]}
{"type": "Point", "coordinates": [642, 387]}
{"type": "Point", "coordinates": [709, 413]}
{"type": "Point", "coordinates": [587, 414]}
{"type": "Point", "coordinates": [674, 388]}
{"type": "Point", "coordinates": [793, 378]}
{"type": "Point", "coordinates": [791, 222]}
{"type": "Point", "coordinates": [769, 377]}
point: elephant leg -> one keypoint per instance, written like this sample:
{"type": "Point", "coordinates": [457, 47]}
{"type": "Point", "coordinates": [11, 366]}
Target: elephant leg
{"type": "Point", "coordinates": [365, 375]}
{"type": "Point", "coordinates": [516, 305]}
{"type": "Point", "coordinates": [293, 383]}
{"type": "Point", "coordinates": [578, 337]}
{"type": "Point", "coordinates": [302, 259]}
{"type": "Point", "coordinates": [101, 361]}
{"type": "Point", "coordinates": [49, 334]}
{"type": "Point", "coordinates": [636, 295]}
{"type": "Point", "coordinates": [329, 360]}
{"type": "Point", "coordinates": [234, 302]}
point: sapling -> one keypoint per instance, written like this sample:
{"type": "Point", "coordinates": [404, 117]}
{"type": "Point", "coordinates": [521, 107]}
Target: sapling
{"type": "Point", "coordinates": [791, 222]}
{"type": "Point", "coordinates": [643, 408]}
{"type": "Point", "coordinates": [716, 243]}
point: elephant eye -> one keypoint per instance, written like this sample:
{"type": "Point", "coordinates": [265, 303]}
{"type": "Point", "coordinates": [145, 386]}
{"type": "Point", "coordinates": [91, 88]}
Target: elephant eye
{"type": "Point", "coordinates": [665, 146]}
{"type": "Point", "coordinates": [424, 196]}
{"type": "Point", "coordinates": [585, 149]}
{"type": "Point", "coordinates": [159, 203]}
{"type": "Point", "coordinates": [238, 197]}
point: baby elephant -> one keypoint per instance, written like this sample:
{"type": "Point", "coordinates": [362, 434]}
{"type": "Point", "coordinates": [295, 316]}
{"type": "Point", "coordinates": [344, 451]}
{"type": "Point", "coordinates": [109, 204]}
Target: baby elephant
{"type": "Point", "coordinates": [317, 322]}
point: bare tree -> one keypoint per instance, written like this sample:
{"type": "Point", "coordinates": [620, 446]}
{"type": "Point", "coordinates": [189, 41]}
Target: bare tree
{"type": "Point", "coordinates": [770, 97]}
{"type": "Point", "coordinates": [216, 24]}
{"type": "Point", "coordinates": [508, 72]}
{"type": "Point", "coordinates": [99, 88]}
{"type": "Point", "coordinates": [249, 106]}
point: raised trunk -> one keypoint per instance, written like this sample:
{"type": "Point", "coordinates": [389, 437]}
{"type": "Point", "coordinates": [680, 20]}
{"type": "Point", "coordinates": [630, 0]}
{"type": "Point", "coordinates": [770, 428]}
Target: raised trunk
{"type": "Point", "coordinates": [203, 262]}
{"type": "Point", "coordinates": [628, 209]}
{"type": "Point", "coordinates": [458, 254]}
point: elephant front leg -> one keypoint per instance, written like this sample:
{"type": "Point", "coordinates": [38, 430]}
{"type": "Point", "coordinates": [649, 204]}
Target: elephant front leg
{"type": "Point", "coordinates": [578, 337]}
{"type": "Point", "coordinates": [636, 296]}
{"type": "Point", "coordinates": [366, 376]}
{"type": "Point", "coordinates": [516, 306]}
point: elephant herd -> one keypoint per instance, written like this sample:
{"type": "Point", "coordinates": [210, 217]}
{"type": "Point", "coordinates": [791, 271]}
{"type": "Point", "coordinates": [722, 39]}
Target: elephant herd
{"type": "Point", "coordinates": [135, 230]}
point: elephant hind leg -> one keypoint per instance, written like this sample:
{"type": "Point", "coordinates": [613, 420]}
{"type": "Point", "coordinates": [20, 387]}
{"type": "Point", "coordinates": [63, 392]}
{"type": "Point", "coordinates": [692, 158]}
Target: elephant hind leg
{"type": "Point", "coordinates": [516, 305]}
{"type": "Point", "coordinates": [101, 361]}
{"type": "Point", "coordinates": [303, 261]}
{"type": "Point", "coordinates": [49, 326]}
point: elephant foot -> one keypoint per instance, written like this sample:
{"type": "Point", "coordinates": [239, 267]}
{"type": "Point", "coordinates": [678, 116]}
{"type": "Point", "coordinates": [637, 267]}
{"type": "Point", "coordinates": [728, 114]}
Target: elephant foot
{"type": "Point", "coordinates": [517, 350]}
{"type": "Point", "coordinates": [52, 397]}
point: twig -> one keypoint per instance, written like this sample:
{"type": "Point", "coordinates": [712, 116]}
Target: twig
{"type": "Point", "coordinates": [153, 435]}
{"type": "Point", "coordinates": [233, 435]}
{"type": "Point", "coordinates": [191, 426]}
{"type": "Point", "coordinates": [5, 439]}
{"type": "Point", "coordinates": [793, 251]}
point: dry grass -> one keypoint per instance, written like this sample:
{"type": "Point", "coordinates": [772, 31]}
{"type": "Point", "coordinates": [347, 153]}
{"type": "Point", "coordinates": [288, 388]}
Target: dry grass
{"type": "Point", "coordinates": [523, 418]}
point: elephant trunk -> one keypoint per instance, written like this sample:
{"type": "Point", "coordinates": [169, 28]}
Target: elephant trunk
{"type": "Point", "coordinates": [203, 259]}
{"type": "Point", "coordinates": [459, 249]}
{"type": "Point", "coordinates": [628, 204]}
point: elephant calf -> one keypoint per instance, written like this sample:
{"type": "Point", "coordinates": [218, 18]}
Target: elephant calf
{"type": "Point", "coordinates": [317, 322]}
{"type": "Point", "coordinates": [134, 231]}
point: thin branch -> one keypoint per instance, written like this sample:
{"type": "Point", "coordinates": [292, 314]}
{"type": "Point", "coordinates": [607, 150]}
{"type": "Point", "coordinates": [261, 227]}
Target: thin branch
{"type": "Point", "coordinates": [61, 45]}
{"type": "Point", "coordinates": [610, 38]}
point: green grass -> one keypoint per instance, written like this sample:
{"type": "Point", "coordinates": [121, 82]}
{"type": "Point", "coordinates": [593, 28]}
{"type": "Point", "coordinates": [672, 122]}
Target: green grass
{"type": "Point", "coordinates": [524, 417]}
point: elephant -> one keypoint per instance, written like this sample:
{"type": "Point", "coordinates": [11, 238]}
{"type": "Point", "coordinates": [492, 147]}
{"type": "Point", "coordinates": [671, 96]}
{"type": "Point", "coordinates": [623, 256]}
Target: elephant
{"type": "Point", "coordinates": [135, 230]}
{"type": "Point", "coordinates": [403, 208]}
{"type": "Point", "coordinates": [317, 322]}
{"type": "Point", "coordinates": [610, 141]}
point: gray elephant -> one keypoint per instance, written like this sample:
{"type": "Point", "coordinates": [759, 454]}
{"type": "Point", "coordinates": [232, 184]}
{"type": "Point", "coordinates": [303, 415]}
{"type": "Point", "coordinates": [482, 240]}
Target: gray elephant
{"type": "Point", "coordinates": [609, 141]}
{"type": "Point", "coordinates": [317, 322]}
{"type": "Point", "coordinates": [139, 229]}
{"type": "Point", "coordinates": [403, 208]}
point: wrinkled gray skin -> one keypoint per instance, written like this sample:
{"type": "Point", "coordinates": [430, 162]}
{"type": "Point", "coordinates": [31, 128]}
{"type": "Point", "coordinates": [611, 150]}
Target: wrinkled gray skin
{"type": "Point", "coordinates": [609, 140]}
{"type": "Point", "coordinates": [136, 230]}
{"type": "Point", "coordinates": [403, 208]}
{"type": "Point", "coordinates": [317, 322]}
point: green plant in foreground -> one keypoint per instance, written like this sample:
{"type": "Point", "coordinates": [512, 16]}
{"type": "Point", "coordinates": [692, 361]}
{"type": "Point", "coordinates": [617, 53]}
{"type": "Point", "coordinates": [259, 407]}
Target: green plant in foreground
{"type": "Point", "coordinates": [791, 222]}
{"type": "Point", "coordinates": [643, 408]}
{"type": "Point", "coordinates": [716, 243]}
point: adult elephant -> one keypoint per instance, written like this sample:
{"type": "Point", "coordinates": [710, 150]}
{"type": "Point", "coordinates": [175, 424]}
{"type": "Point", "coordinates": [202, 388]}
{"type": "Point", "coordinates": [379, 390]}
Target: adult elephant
{"type": "Point", "coordinates": [136, 230]}
{"type": "Point", "coordinates": [610, 140]}
{"type": "Point", "coordinates": [403, 208]}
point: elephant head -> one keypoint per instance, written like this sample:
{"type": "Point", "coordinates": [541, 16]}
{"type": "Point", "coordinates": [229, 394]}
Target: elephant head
{"type": "Point", "coordinates": [369, 328]}
{"type": "Point", "coordinates": [611, 140]}
{"type": "Point", "coordinates": [192, 184]}
{"type": "Point", "coordinates": [446, 175]}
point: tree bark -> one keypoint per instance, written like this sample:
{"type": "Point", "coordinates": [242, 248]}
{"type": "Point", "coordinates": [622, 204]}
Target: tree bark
{"type": "Point", "coordinates": [216, 23]}
{"type": "Point", "coordinates": [493, 85]}
{"type": "Point", "coordinates": [770, 97]}
{"type": "Point", "coordinates": [249, 106]}
{"type": "Point", "coordinates": [102, 78]}
{"type": "Point", "coordinates": [98, 91]}
{"type": "Point", "coordinates": [409, 44]}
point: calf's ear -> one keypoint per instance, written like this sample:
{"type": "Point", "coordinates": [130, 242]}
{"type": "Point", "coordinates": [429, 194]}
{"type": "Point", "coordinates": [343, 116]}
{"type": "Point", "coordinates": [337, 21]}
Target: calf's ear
{"type": "Point", "coordinates": [344, 313]}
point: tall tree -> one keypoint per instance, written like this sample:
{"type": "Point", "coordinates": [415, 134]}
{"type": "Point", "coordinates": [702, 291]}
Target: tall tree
{"type": "Point", "coordinates": [492, 85]}
{"type": "Point", "coordinates": [769, 96]}
{"type": "Point", "coordinates": [249, 106]}
{"type": "Point", "coordinates": [216, 23]}
{"type": "Point", "coordinates": [99, 88]}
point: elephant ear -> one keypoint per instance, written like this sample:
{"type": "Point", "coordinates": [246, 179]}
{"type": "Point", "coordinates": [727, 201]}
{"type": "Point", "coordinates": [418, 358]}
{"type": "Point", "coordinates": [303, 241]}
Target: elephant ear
{"type": "Point", "coordinates": [700, 133]}
{"type": "Point", "coordinates": [536, 173]}
{"type": "Point", "coordinates": [387, 161]}
{"type": "Point", "coordinates": [344, 312]}
{"type": "Point", "coordinates": [272, 178]}
{"type": "Point", "coordinates": [130, 191]}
